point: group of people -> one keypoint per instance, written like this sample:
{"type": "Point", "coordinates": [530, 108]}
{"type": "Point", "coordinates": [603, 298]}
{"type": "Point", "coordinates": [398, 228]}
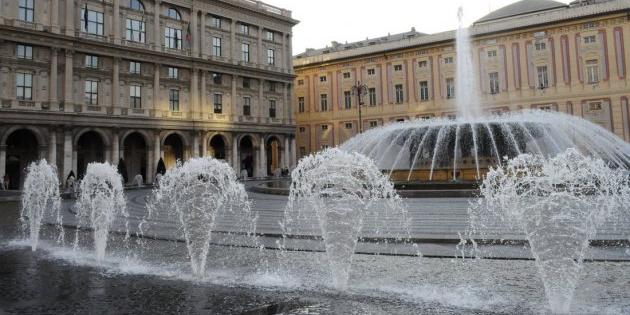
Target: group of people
{"type": "Point", "coordinates": [4, 182]}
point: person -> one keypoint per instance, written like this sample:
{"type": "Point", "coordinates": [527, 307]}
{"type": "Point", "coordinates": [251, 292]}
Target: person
{"type": "Point", "coordinates": [7, 182]}
{"type": "Point", "coordinates": [2, 183]}
{"type": "Point", "coordinates": [138, 180]}
{"type": "Point", "coordinates": [244, 174]}
{"type": "Point", "coordinates": [70, 182]}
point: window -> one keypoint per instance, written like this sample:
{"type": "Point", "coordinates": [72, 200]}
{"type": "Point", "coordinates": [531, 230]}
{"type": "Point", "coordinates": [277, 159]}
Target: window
{"type": "Point", "coordinates": [397, 67]}
{"type": "Point", "coordinates": [135, 96]}
{"type": "Point", "coordinates": [492, 53]}
{"type": "Point", "coordinates": [136, 5]}
{"type": "Point", "coordinates": [172, 38]}
{"type": "Point", "coordinates": [448, 60]}
{"type": "Point", "coordinates": [592, 71]}
{"type": "Point", "coordinates": [271, 57]}
{"type": "Point", "coordinates": [595, 106]}
{"type": "Point", "coordinates": [243, 29]}
{"type": "Point", "coordinates": [272, 86]}
{"type": "Point", "coordinates": [300, 104]}
{"type": "Point", "coordinates": [247, 106]}
{"type": "Point", "coordinates": [450, 88]}
{"type": "Point", "coordinates": [94, 24]}
{"type": "Point", "coordinates": [422, 64]}
{"type": "Point", "coordinates": [494, 82]}
{"type": "Point", "coordinates": [217, 78]}
{"type": "Point", "coordinates": [300, 82]}
{"type": "Point", "coordinates": [348, 125]}
{"type": "Point", "coordinates": [541, 46]}
{"type": "Point", "coordinates": [400, 120]}
{"type": "Point", "coordinates": [399, 94]}
{"type": "Point", "coordinates": [246, 83]}
{"type": "Point", "coordinates": [371, 71]}
{"type": "Point", "coordinates": [245, 52]}
{"type": "Point", "coordinates": [269, 35]}
{"type": "Point", "coordinates": [173, 14]}
{"type": "Point", "coordinates": [373, 123]}
{"type": "Point", "coordinates": [425, 117]}
{"type": "Point", "coordinates": [91, 61]}
{"type": "Point", "coordinates": [173, 100]}
{"type": "Point", "coordinates": [546, 108]}
{"type": "Point", "coordinates": [543, 77]}
{"type": "Point", "coordinates": [216, 22]}
{"type": "Point", "coordinates": [324, 127]}
{"type": "Point", "coordinates": [91, 92]}
{"type": "Point", "coordinates": [324, 146]}
{"type": "Point", "coordinates": [322, 78]}
{"type": "Point", "coordinates": [451, 116]}
{"type": "Point", "coordinates": [218, 103]}
{"type": "Point", "coordinates": [372, 96]}
{"type": "Point", "coordinates": [347, 99]}
{"type": "Point", "coordinates": [346, 75]}
{"type": "Point", "coordinates": [24, 52]}
{"type": "Point", "coordinates": [25, 12]}
{"type": "Point", "coordinates": [590, 39]}
{"type": "Point", "coordinates": [173, 73]}
{"type": "Point", "coordinates": [136, 31]}
{"type": "Point", "coordinates": [216, 46]}
{"type": "Point", "coordinates": [424, 91]}
{"type": "Point", "coordinates": [323, 102]}
{"type": "Point", "coordinates": [24, 85]}
{"type": "Point", "coordinates": [302, 129]}
{"type": "Point", "coordinates": [134, 67]}
{"type": "Point", "coordinates": [272, 108]}
{"type": "Point", "coordinates": [302, 151]}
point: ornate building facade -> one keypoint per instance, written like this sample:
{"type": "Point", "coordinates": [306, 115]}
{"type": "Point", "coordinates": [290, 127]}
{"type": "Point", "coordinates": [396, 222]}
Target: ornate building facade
{"type": "Point", "coordinates": [531, 54]}
{"type": "Point", "coordinates": [139, 80]}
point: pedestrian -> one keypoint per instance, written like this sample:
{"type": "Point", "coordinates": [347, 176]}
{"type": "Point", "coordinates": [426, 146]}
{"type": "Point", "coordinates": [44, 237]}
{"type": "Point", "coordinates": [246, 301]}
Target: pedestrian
{"type": "Point", "coordinates": [138, 180]}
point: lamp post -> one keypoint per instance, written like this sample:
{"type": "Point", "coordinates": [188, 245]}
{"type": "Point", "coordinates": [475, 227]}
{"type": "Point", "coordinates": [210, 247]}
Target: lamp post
{"type": "Point", "coordinates": [359, 90]}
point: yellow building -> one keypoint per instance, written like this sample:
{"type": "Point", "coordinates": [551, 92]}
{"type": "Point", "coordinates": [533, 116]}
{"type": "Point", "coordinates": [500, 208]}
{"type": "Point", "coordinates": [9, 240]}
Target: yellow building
{"type": "Point", "coordinates": [530, 54]}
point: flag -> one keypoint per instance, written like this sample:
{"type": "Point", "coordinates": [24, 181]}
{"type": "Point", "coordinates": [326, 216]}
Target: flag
{"type": "Point", "coordinates": [85, 17]}
{"type": "Point", "coordinates": [188, 35]}
{"type": "Point", "coordinates": [176, 41]}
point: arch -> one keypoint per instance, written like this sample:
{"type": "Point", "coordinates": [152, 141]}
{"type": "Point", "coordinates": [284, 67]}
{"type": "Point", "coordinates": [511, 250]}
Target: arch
{"type": "Point", "coordinates": [182, 135]}
{"type": "Point", "coordinates": [252, 137]}
{"type": "Point", "coordinates": [104, 136]}
{"type": "Point", "coordinates": [247, 154]}
{"type": "Point", "coordinates": [173, 14]}
{"type": "Point", "coordinates": [173, 148]}
{"type": "Point", "coordinates": [147, 138]}
{"type": "Point", "coordinates": [41, 140]}
{"type": "Point", "coordinates": [226, 137]}
{"type": "Point", "coordinates": [219, 147]}
{"type": "Point", "coordinates": [22, 148]}
{"type": "Point", "coordinates": [136, 5]}
{"type": "Point", "coordinates": [135, 155]}
{"type": "Point", "coordinates": [90, 148]}
{"type": "Point", "coordinates": [273, 150]}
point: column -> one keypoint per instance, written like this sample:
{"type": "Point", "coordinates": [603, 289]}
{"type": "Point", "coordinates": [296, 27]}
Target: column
{"type": "Point", "coordinates": [234, 54]}
{"type": "Point", "coordinates": [70, 18]}
{"type": "Point", "coordinates": [156, 89]}
{"type": "Point", "coordinates": [234, 111]}
{"type": "Point", "coordinates": [67, 154]}
{"type": "Point", "coordinates": [282, 57]}
{"type": "Point", "coordinates": [3, 160]}
{"type": "Point", "coordinates": [115, 86]}
{"type": "Point", "coordinates": [194, 27]}
{"type": "Point", "coordinates": [286, 161]}
{"type": "Point", "coordinates": [54, 16]}
{"type": "Point", "coordinates": [261, 103]}
{"type": "Point", "coordinates": [151, 168]}
{"type": "Point", "coordinates": [293, 154]}
{"type": "Point", "coordinates": [53, 78]}
{"type": "Point", "coordinates": [157, 151]}
{"type": "Point", "coordinates": [203, 101]}
{"type": "Point", "coordinates": [157, 35]}
{"type": "Point", "coordinates": [204, 145]}
{"type": "Point", "coordinates": [115, 148]}
{"type": "Point", "coordinates": [202, 36]}
{"type": "Point", "coordinates": [195, 148]}
{"type": "Point", "coordinates": [288, 53]}
{"type": "Point", "coordinates": [68, 82]}
{"type": "Point", "coordinates": [235, 159]}
{"type": "Point", "coordinates": [52, 148]}
{"type": "Point", "coordinates": [285, 100]}
{"type": "Point", "coordinates": [194, 94]}
{"type": "Point", "coordinates": [116, 22]}
{"type": "Point", "coordinates": [262, 169]}
{"type": "Point", "coordinates": [261, 58]}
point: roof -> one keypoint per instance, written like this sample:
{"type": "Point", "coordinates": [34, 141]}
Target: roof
{"type": "Point", "coordinates": [522, 7]}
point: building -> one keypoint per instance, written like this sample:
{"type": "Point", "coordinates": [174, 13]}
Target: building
{"type": "Point", "coordinates": [531, 54]}
{"type": "Point", "coordinates": [139, 80]}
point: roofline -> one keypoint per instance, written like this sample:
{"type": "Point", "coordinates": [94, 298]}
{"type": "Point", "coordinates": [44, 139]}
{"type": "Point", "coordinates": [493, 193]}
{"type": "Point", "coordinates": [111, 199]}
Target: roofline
{"type": "Point", "coordinates": [482, 21]}
{"type": "Point", "coordinates": [477, 30]}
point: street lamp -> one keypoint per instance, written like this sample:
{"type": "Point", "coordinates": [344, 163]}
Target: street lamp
{"type": "Point", "coordinates": [360, 90]}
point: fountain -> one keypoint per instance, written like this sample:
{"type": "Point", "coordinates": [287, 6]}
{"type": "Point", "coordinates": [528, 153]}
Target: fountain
{"type": "Point", "coordinates": [40, 197]}
{"type": "Point", "coordinates": [101, 200]}
{"type": "Point", "coordinates": [343, 193]}
{"type": "Point", "coordinates": [199, 193]}
{"type": "Point", "coordinates": [558, 203]}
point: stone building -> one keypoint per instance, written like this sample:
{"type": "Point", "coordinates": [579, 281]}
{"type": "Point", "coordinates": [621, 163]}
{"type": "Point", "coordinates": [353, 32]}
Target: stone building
{"type": "Point", "coordinates": [139, 80]}
{"type": "Point", "coordinates": [530, 54]}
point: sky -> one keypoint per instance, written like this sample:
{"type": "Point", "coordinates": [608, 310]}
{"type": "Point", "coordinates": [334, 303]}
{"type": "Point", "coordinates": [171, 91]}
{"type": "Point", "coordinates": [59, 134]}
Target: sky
{"type": "Point", "coordinates": [324, 21]}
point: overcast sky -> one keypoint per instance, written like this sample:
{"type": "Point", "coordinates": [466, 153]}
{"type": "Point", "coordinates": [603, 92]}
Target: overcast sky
{"type": "Point", "coordinates": [323, 21]}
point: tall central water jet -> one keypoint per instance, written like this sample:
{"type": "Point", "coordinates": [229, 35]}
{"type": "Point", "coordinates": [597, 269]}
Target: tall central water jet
{"type": "Point", "coordinates": [558, 203]}
{"type": "Point", "coordinates": [466, 95]}
{"type": "Point", "coordinates": [199, 192]}
{"type": "Point", "coordinates": [101, 201]}
{"type": "Point", "coordinates": [343, 191]}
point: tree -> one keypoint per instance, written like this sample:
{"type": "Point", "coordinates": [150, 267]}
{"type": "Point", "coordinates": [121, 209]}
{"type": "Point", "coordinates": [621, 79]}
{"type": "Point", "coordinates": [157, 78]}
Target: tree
{"type": "Point", "coordinates": [161, 167]}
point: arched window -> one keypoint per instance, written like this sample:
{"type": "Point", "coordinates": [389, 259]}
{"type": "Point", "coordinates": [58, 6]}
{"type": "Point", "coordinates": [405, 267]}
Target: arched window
{"type": "Point", "coordinates": [136, 5]}
{"type": "Point", "coordinates": [173, 14]}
